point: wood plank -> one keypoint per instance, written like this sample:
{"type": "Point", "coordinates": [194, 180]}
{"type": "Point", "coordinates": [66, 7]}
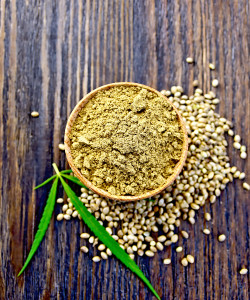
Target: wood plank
{"type": "Point", "coordinates": [54, 52]}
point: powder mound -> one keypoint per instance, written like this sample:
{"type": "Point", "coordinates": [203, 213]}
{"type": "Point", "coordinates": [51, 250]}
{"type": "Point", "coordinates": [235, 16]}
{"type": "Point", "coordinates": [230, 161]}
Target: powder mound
{"type": "Point", "coordinates": [126, 140]}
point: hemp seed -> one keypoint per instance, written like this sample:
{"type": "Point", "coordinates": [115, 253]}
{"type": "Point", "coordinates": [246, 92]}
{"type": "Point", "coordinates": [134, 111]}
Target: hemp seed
{"type": "Point", "coordinates": [211, 66]}
{"type": "Point", "coordinates": [243, 155]}
{"type": "Point", "coordinates": [189, 60]}
{"type": "Point", "coordinates": [190, 258]}
{"type": "Point", "coordinates": [61, 147]}
{"type": "Point", "coordinates": [185, 234]}
{"type": "Point", "coordinates": [246, 186]}
{"type": "Point", "coordinates": [84, 249]}
{"type": "Point", "coordinates": [96, 258]}
{"type": "Point", "coordinates": [178, 249]}
{"type": "Point", "coordinates": [167, 261]}
{"type": "Point", "coordinates": [221, 238]}
{"type": "Point", "coordinates": [243, 271]}
{"type": "Point", "coordinates": [215, 83]}
{"type": "Point", "coordinates": [184, 262]}
{"type": "Point", "coordinates": [84, 235]}
{"type": "Point", "coordinates": [206, 231]}
{"type": "Point", "coordinates": [59, 217]}
{"type": "Point", "coordinates": [34, 114]}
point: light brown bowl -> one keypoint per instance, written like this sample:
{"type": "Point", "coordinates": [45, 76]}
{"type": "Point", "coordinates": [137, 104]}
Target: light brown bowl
{"type": "Point", "coordinates": [102, 192]}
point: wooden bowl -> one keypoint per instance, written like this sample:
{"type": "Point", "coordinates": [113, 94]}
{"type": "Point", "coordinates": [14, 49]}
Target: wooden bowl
{"type": "Point", "coordinates": [102, 192]}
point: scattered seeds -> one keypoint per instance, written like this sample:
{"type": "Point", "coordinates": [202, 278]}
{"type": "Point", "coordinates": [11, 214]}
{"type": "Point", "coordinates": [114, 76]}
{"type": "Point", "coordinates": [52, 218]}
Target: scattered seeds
{"type": "Point", "coordinates": [162, 238]}
{"type": "Point", "coordinates": [59, 200]}
{"type": "Point", "coordinates": [140, 252]}
{"type": "Point", "coordinates": [243, 155]}
{"type": "Point", "coordinates": [211, 66]}
{"type": "Point", "coordinates": [221, 238]}
{"type": "Point", "coordinates": [85, 235]}
{"type": "Point", "coordinates": [207, 216]}
{"type": "Point", "coordinates": [205, 175]}
{"type": "Point", "coordinates": [101, 247]}
{"type": "Point", "coordinates": [195, 83]}
{"type": "Point", "coordinates": [243, 271]}
{"type": "Point", "coordinates": [168, 243]}
{"type": "Point", "coordinates": [189, 60]}
{"type": "Point", "coordinates": [237, 138]}
{"type": "Point", "coordinates": [177, 94]}
{"type": "Point", "coordinates": [242, 175]}
{"type": "Point", "coordinates": [237, 145]}
{"type": "Point", "coordinates": [67, 217]}
{"type": "Point", "coordinates": [243, 148]}
{"type": "Point", "coordinates": [104, 255]}
{"type": "Point", "coordinates": [173, 89]}
{"type": "Point", "coordinates": [108, 251]}
{"type": "Point", "coordinates": [69, 211]}
{"type": "Point", "coordinates": [190, 258]}
{"type": "Point", "coordinates": [206, 231]}
{"type": "Point", "coordinates": [233, 169]}
{"type": "Point", "coordinates": [84, 249]}
{"type": "Point", "coordinates": [199, 91]}
{"type": "Point", "coordinates": [166, 93]}
{"type": "Point", "coordinates": [185, 234]}
{"type": "Point", "coordinates": [178, 249]}
{"type": "Point", "coordinates": [96, 258]}
{"type": "Point", "coordinates": [65, 207]}
{"type": "Point", "coordinates": [75, 214]}
{"type": "Point", "coordinates": [132, 256]}
{"type": "Point", "coordinates": [195, 206]}
{"type": "Point", "coordinates": [174, 238]}
{"type": "Point", "coordinates": [191, 220]}
{"type": "Point", "coordinates": [159, 246]}
{"type": "Point", "coordinates": [91, 239]}
{"type": "Point", "coordinates": [149, 253]}
{"type": "Point", "coordinates": [184, 262]}
{"type": "Point", "coordinates": [35, 114]}
{"type": "Point", "coordinates": [246, 186]}
{"type": "Point", "coordinates": [61, 147]}
{"type": "Point", "coordinates": [167, 261]}
{"type": "Point", "coordinates": [59, 217]}
{"type": "Point", "coordinates": [215, 83]}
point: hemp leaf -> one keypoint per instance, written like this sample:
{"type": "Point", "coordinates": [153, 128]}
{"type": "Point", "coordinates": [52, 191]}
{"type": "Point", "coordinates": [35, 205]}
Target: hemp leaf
{"type": "Point", "coordinates": [44, 223]}
{"type": "Point", "coordinates": [75, 180]}
{"type": "Point", "coordinates": [89, 220]}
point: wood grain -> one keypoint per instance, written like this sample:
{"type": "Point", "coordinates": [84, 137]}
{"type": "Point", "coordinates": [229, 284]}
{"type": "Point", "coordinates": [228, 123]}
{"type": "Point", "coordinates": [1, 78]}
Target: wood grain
{"type": "Point", "coordinates": [54, 52]}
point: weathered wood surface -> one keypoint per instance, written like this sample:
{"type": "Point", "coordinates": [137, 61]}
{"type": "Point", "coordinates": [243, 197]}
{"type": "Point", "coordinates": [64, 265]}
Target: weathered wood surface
{"type": "Point", "coordinates": [54, 52]}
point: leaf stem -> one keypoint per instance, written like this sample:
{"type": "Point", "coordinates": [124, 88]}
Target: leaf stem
{"type": "Point", "coordinates": [56, 169]}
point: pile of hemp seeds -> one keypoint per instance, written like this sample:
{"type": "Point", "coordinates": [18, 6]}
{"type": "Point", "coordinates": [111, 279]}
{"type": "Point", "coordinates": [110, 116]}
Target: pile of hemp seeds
{"type": "Point", "coordinates": [147, 226]}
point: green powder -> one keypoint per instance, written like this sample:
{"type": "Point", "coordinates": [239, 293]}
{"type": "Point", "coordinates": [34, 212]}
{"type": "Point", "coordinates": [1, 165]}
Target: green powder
{"type": "Point", "coordinates": [126, 140]}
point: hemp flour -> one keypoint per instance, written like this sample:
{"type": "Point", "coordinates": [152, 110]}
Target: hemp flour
{"type": "Point", "coordinates": [126, 140]}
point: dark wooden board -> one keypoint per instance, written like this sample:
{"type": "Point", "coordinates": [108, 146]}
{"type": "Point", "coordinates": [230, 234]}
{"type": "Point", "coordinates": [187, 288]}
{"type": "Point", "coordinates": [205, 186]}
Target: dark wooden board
{"type": "Point", "coordinates": [51, 54]}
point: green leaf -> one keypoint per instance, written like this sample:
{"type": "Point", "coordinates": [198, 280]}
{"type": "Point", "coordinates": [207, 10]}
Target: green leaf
{"type": "Point", "coordinates": [75, 180]}
{"type": "Point", "coordinates": [44, 223]}
{"type": "Point", "coordinates": [51, 178]}
{"type": "Point", "coordinates": [45, 182]}
{"type": "Point", "coordinates": [66, 171]}
{"type": "Point", "coordinates": [102, 234]}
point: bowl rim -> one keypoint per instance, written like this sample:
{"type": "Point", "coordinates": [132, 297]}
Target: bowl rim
{"type": "Point", "coordinates": [103, 193]}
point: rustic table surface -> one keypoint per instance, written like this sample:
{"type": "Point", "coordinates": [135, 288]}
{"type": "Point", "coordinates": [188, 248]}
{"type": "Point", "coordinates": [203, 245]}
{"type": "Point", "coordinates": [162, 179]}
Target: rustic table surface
{"type": "Point", "coordinates": [54, 52]}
